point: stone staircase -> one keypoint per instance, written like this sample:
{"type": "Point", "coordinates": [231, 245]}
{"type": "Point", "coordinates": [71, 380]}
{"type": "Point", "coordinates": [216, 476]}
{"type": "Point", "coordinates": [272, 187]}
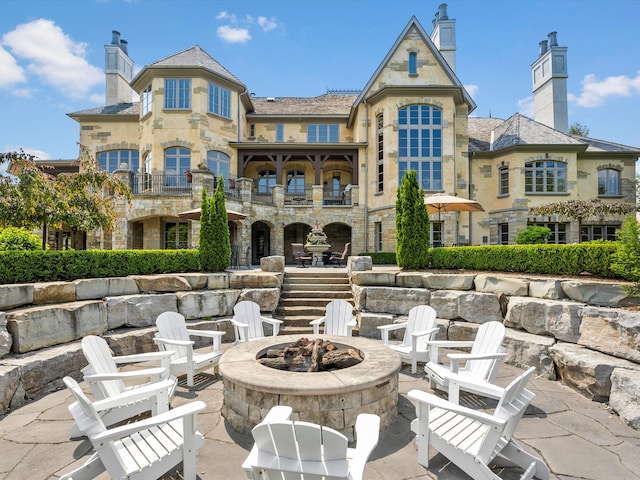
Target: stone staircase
{"type": "Point", "coordinates": [304, 297]}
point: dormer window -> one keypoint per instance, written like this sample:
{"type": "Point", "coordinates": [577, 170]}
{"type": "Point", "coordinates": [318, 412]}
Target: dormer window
{"type": "Point", "coordinates": [413, 63]}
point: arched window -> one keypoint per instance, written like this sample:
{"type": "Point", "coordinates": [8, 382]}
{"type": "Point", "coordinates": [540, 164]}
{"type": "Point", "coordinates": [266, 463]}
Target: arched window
{"type": "Point", "coordinates": [218, 163]}
{"type": "Point", "coordinates": [266, 180]}
{"type": "Point", "coordinates": [295, 181]}
{"type": "Point", "coordinates": [420, 144]}
{"type": "Point", "coordinates": [608, 182]}
{"type": "Point", "coordinates": [177, 162]}
{"type": "Point", "coordinates": [545, 176]}
{"type": "Point", "coordinates": [111, 160]}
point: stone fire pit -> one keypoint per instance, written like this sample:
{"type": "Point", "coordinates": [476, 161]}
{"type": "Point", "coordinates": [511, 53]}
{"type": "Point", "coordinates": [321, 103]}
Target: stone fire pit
{"type": "Point", "coordinates": [333, 398]}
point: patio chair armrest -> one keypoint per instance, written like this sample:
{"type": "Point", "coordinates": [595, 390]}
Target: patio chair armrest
{"type": "Point", "coordinates": [385, 329]}
{"type": "Point", "coordinates": [156, 372]}
{"type": "Point", "coordinates": [434, 345]}
{"type": "Point", "coordinates": [138, 393]}
{"type": "Point", "coordinates": [425, 332]}
{"type": "Point", "coordinates": [143, 357]}
{"type": "Point", "coordinates": [435, 401]}
{"type": "Point", "coordinates": [317, 321]}
{"type": "Point", "coordinates": [178, 343]}
{"type": "Point", "coordinates": [279, 413]}
{"type": "Point", "coordinates": [205, 333]}
{"type": "Point", "coordinates": [456, 357]}
{"type": "Point", "coordinates": [177, 413]}
{"type": "Point", "coordinates": [353, 322]}
{"type": "Point", "coordinates": [489, 389]}
{"type": "Point", "coordinates": [271, 321]}
{"type": "Point", "coordinates": [238, 324]}
{"type": "Point", "coordinates": [367, 435]}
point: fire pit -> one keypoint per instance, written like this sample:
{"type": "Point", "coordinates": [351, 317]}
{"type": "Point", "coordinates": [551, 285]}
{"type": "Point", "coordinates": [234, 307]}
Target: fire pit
{"type": "Point", "coordinates": [305, 355]}
{"type": "Point", "coordinates": [331, 398]}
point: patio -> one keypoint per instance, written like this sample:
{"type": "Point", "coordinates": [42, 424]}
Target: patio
{"type": "Point", "coordinates": [576, 437]}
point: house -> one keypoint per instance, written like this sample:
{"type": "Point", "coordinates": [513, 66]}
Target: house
{"type": "Point", "coordinates": [337, 159]}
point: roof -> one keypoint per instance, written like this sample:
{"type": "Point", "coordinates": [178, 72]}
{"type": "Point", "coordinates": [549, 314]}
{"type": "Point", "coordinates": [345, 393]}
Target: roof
{"type": "Point", "coordinates": [520, 130]}
{"type": "Point", "coordinates": [328, 104]}
{"type": "Point", "coordinates": [119, 109]}
{"type": "Point", "coordinates": [194, 57]}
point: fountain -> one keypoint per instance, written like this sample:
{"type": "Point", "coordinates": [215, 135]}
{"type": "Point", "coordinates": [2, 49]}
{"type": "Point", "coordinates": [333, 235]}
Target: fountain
{"type": "Point", "coordinates": [317, 244]}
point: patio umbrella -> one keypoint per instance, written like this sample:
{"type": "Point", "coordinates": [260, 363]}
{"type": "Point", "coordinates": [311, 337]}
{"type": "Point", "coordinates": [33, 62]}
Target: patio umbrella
{"type": "Point", "coordinates": [449, 203]}
{"type": "Point", "coordinates": [195, 215]}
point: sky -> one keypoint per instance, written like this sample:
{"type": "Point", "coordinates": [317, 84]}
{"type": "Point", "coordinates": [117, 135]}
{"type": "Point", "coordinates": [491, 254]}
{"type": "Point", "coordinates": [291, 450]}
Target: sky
{"type": "Point", "coordinates": [52, 54]}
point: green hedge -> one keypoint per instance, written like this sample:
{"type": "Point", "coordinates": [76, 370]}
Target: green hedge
{"type": "Point", "coordinates": [593, 258]}
{"type": "Point", "coordinates": [55, 265]}
{"type": "Point", "coordinates": [381, 258]}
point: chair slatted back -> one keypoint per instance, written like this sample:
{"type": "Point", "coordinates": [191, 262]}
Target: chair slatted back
{"type": "Point", "coordinates": [421, 318]}
{"type": "Point", "coordinates": [338, 314]}
{"type": "Point", "coordinates": [248, 312]}
{"type": "Point", "coordinates": [99, 356]}
{"type": "Point", "coordinates": [303, 450]}
{"type": "Point", "coordinates": [172, 325]}
{"type": "Point", "coordinates": [488, 340]}
{"type": "Point", "coordinates": [82, 409]}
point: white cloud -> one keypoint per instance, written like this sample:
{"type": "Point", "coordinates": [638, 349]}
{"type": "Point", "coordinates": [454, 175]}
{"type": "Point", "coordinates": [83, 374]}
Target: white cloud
{"type": "Point", "coordinates": [594, 91]}
{"type": "Point", "coordinates": [233, 35]}
{"type": "Point", "coordinates": [54, 57]}
{"type": "Point", "coordinates": [525, 107]}
{"type": "Point", "coordinates": [12, 73]}
{"type": "Point", "coordinates": [224, 15]}
{"type": "Point", "coordinates": [267, 24]}
{"type": "Point", "coordinates": [471, 89]}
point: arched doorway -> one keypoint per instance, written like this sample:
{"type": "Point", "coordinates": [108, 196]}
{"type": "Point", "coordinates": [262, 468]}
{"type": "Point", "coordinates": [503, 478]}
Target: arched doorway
{"type": "Point", "coordinates": [294, 233]}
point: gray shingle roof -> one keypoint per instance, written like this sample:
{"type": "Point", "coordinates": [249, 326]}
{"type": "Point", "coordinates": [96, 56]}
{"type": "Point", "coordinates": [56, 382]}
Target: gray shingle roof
{"type": "Point", "coordinates": [195, 57]}
{"type": "Point", "coordinates": [328, 104]}
{"type": "Point", "coordinates": [119, 109]}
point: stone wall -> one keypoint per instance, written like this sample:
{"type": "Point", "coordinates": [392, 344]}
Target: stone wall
{"type": "Point", "coordinates": [583, 332]}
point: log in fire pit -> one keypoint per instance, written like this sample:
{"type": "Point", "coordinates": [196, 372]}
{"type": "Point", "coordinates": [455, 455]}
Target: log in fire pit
{"type": "Point", "coordinates": [333, 398]}
{"type": "Point", "coordinates": [305, 355]}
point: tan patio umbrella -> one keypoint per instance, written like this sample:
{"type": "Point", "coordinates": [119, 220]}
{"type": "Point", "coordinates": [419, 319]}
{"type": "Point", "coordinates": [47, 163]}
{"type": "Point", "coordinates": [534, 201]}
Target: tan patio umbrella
{"type": "Point", "coordinates": [195, 215]}
{"type": "Point", "coordinates": [449, 203]}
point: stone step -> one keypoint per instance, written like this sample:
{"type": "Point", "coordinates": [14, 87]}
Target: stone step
{"type": "Point", "coordinates": [309, 274]}
{"type": "Point", "coordinates": [320, 302]}
{"type": "Point", "coordinates": [314, 287]}
{"type": "Point", "coordinates": [301, 296]}
{"type": "Point", "coordinates": [316, 281]}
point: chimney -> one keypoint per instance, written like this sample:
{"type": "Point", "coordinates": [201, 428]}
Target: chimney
{"type": "Point", "coordinates": [549, 78]}
{"type": "Point", "coordinates": [443, 35]}
{"type": "Point", "coordinates": [118, 69]}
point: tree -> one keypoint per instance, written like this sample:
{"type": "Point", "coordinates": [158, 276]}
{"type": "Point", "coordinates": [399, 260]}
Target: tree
{"type": "Point", "coordinates": [215, 245]}
{"type": "Point", "coordinates": [579, 209]}
{"type": "Point", "coordinates": [31, 197]}
{"type": "Point", "coordinates": [533, 234]}
{"type": "Point", "coordinates": [579, 130]}
{"type": "Point", "coordinates": [412, 225]}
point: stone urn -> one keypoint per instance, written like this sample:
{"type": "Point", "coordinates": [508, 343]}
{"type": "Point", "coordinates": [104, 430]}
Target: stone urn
{"type": "Point", "coordinates": [317, 244]}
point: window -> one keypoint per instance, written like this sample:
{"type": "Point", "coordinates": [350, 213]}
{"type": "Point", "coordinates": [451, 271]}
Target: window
{"type": "Point", "coordinates": [295, 182]}
{"type": "Point", "coordinates": [146, 101]}
{"type": "Point", "coordinates": [413, 63]}
{"type": "Point", "coordinates": [380, 129]}
{"type": "Point", "coordinates": [266, 180]}
{"type": "Point", "coordinates": [176, 235]}
{"type": "Point", "coordinates": [558, 231]}
{"type": "Point", "coordinates": [218, 163]}
{"type": "Point", "coordinates": [252, 130]}
{"type": "Point", "coordinates": [177, 93]}
{"type": "Point", "coordinates": [177, 161]}
{"type": "Point", "coordinates": [503, 174]}
{"type": "Point", "coordinates": [420, 144]}
{"type": "Point", "coordinates": [545, 176]}
{"type": "Point", "coordinates": [378, 237]}
{"type": "Point", "coordinates": [598, 232]}
{"type": "Point", "coordinates": [110, 161]}
{"type": "Point", "coordinates": [279, 132]}
{"type": "Point", "coordinates": [435, 234]}
{"type": "Point", "coordinates": [608, 182]}
{"type": "Point", "coordinates": [503, 233]}
{"type": "Point", "coordinates": [323, 133]}
{"type": "Point", "coordinates": [219, 101]}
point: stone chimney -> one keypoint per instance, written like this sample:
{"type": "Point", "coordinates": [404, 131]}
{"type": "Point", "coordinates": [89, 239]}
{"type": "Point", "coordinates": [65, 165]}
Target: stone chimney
{"type": "Point", "coordinates": [549, 77]}
{"type": "Point", "coordinates": [118, 69]}
{"type": "Point", "coordinates": [443, 35]}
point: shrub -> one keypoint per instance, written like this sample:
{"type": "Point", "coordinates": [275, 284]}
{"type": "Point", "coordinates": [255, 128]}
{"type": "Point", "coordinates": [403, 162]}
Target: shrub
{"type": "Point", "coordinates": [626, 260]}
{"type": "Point", "coordinates": [13, 238]}
{"type": "Point", "coordinates": [533, 234]}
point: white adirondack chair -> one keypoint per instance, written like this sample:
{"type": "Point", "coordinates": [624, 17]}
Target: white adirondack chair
{"type": "Point", "coordinates": [338, 319]}
{"type": "Point", "coordinates": [106, 382]}
{"type": "Point", "coordinates": [419, 329]}
{"type": "Point", "coordinates": [306, 451]}
{"type": "Point", "coordinates": [248, 322]}
{"type": "Point", "coordinates": [473, 439]}
{"type": "Point", "coordinates": [173, 335]}
{"type": "Point", "coordinates": [481, 364]}
{"type": "Point", "coordinates": [141, 450]}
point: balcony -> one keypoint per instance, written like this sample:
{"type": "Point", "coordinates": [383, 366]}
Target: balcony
{"type": "Point", "coordinates": [161, 184]}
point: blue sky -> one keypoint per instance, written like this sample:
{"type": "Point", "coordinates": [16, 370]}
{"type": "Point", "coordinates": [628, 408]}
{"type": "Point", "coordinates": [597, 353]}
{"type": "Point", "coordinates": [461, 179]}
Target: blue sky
{"type": "Point", "coordinates": [52, 54]}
